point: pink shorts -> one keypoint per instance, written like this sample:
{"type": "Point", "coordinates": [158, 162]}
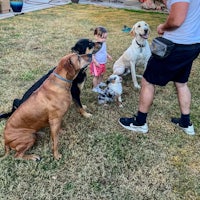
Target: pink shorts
{"type": "Point", "coordinates": [97, 71]}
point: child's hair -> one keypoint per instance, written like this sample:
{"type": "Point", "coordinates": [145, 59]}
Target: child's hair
{"type": "Point", "coordinates": [100, 30]}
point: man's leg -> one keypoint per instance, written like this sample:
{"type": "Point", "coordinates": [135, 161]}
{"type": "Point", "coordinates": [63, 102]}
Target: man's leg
{"type": "Point", "coordinates": [146, 96]}
{"type": "Point", "coordinates": [138, 123]}
{"type": "Point", "coordinates": [184, 99]}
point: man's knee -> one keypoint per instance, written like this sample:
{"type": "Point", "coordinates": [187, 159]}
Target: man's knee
{"type": "Point", "coordinates": [180, 85]}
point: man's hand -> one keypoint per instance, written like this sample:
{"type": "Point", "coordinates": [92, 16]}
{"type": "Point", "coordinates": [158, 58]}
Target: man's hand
{"type": "Point", "coordinates": [160, 30]}
{"type": "Point", "coordinates": [175, 18]}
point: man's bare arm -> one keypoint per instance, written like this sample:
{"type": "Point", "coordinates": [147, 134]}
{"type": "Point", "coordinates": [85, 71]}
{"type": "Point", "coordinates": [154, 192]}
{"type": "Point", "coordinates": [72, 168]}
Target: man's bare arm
{"type": "Point", "coordinates": [176, 17]}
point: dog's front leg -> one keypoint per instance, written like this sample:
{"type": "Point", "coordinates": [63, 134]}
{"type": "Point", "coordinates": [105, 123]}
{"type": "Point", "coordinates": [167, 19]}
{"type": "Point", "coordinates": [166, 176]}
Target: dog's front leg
{"type": "Point", "coordinates": [84, 113]}
{"type": "Point", "coordinates": [119, 100]}
{"type": "Point", "coordinates": [55, 128]}
{"type": "Point", "coordinates": [133, 74]}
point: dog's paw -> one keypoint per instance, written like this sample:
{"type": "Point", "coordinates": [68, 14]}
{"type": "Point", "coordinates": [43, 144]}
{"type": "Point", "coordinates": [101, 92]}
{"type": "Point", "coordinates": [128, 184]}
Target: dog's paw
{"type": "Point", "coordinates": [36, 158]}
{"type": "Point", "coordinates": [84, 107]}
{"type": "Point", "coordinates": [30, 157]}
{"type": "Point", "coordinates": [137, 86]}
{"type": "Point", "coordinates": [84, 113]}
{"type": "Point", "coordinates": [120, 105]}
{"type": "Point", "coordinates": [87, 115]}
{"type": "Point", "coordinates": [57, 156]}
{"type": "Point", "coordinates": [126, 72]}
{"type": "Point", "coordinates": [139, 76]}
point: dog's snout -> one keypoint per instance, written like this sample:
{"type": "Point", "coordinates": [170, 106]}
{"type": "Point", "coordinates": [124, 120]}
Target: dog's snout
{"type": "Point", "coordinates": [97, 47]}
{"type": "Point", "coordinates": [90, 56]}
{"type": "Point", "coordinates": [146, 31]}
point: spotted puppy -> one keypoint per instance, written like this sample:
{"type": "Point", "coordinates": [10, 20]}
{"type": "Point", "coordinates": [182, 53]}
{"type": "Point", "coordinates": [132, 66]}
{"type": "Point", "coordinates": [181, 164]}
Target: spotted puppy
{"type": "Point", "coordinates": [112, 92]}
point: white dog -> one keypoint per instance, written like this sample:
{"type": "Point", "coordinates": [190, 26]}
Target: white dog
{"type": "Point", "coordinates": [137, 54]}
{"type": "Point", "coordinates": [112, 92]}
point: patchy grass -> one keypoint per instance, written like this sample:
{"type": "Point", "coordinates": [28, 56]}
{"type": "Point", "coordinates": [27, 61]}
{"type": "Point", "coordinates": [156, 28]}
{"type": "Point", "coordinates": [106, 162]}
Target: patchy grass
{"type": "Point", "coordinates": [100, 159]}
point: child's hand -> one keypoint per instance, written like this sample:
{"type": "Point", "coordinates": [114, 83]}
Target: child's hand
{"type": "Point", "coordinates": [109, 57]}
{"type": "Point", "coordinates": [96, 64]}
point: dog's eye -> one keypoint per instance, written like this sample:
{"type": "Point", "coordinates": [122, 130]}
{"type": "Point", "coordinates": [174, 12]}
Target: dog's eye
{"type": "Point", "coordinates": [139, 26]}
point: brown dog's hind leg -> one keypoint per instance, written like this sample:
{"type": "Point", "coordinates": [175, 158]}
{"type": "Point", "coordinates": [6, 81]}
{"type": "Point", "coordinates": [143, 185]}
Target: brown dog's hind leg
{"type": "Point", "coordinates": [28, 157]}
{"type": "Point", "coordinates": [22, 147]}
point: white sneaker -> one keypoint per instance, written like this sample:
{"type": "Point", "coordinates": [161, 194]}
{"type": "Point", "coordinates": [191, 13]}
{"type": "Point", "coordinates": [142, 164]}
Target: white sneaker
{"type": "Point", "coordinates": [132, 125]}
{"type": "Point", "coordinates": [188, 130]}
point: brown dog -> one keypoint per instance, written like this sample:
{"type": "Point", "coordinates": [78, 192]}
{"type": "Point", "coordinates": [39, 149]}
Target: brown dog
{"type": "Point", "coordinates": [46, 106]}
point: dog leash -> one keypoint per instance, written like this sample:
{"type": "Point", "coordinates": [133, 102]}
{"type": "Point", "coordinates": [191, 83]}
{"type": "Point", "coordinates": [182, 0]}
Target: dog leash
{"type": "Point", "coordinates": [61, 78]}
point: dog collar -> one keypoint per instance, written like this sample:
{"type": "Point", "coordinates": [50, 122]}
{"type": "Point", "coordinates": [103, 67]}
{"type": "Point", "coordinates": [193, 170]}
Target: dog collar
{"type": "Point", "coordinates": [61, 78]}
{"type": "Point", "coordinates": [140, 45]}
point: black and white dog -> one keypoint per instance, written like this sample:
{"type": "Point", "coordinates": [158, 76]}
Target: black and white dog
{"type": "Point", "coordinates": [82, 46]}
{"type": "Point", "coordinates": [112, 92]}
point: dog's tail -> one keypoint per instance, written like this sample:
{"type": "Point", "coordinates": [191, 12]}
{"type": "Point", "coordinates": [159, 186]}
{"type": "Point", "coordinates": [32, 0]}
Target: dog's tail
{"type": "Point", "coordinates": [7, 151]}
{"type": "Point", "coordinates": [5, 115]}
{"type": "Point", "coordinates": [16, 104]}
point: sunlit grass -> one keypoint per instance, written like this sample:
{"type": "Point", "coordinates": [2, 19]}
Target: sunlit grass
{"type": "Point", "coordinates": [100, 159]}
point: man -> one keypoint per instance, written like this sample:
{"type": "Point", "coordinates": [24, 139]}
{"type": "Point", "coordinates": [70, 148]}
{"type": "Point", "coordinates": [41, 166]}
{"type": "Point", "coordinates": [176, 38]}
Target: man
{"type": "Point", "coordinates": [182, 27]}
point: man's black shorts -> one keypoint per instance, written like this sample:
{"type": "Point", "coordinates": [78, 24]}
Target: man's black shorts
{"type": "Point", "coordinates": [176, 67]}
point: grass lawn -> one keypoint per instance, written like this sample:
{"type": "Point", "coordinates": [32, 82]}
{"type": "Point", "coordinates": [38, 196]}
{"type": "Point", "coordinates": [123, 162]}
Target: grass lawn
{"type": "Point", "coordinates": [101, 160]}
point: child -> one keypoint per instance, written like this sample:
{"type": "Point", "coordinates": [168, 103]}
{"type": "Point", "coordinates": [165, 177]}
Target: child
{"type": "Point", "coordinates": [98, 65]}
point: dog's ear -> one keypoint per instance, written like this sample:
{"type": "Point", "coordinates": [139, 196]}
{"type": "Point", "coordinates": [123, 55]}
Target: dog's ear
{"type": "Point", "coordinates": [69, 64]}
{"type": "Point", "coordinates": [132, 32]}
{"type": "Point", "coordinates": [107, 82]}
{"type": "Point", "coordinates": [79, 48]}
{"type": "Point", "coordinates": [149, 30]}
{"type": "Point", "coordinates": [111, 80]}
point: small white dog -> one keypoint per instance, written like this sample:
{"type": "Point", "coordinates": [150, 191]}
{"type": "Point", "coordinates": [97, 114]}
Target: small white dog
{"type": "Point", "coordinates": [137, 54]}
{"type": "Point", "coordinates": [112, 92]}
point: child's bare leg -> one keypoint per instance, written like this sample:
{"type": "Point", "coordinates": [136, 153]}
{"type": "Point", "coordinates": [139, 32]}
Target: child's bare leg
{"type": "Point", "coordinates": [100, 79]}
{"type": "Point", "coordinates": [95, 81]}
